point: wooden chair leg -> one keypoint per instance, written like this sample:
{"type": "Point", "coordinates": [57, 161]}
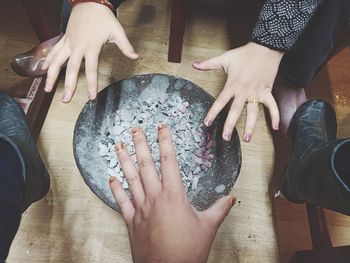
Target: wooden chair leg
{"type": "Point", "coordinates": [39, 106]}
{"type": "Point", "coordinates": [37, 100]}
{"type": "Point", "coordinates": [323, 255]}
{"type": "Point", "coordinates": [323, 250]}
{"type": "Point", "coordinates": [318, 227]}
{"type": "Point", "coordinates": [38, 19]}
{"type": "Point", "coordinates": [177, 30]}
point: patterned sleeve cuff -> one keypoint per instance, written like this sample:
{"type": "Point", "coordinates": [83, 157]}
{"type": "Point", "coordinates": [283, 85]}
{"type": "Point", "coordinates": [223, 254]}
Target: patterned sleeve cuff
{"type": "Point", "coordinates": [282, 21]}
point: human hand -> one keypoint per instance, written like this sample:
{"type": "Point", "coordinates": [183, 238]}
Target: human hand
{"type": "Point", "coordinates": [90, 26]}
{"type": "Point", "coordinates": [251, 71]}
{"type": "Point", "coordinates": [162, 224]}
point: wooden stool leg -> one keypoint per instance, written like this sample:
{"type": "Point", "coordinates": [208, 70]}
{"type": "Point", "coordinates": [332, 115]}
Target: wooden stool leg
{"type": "Point", "coordinates": [177, 30]}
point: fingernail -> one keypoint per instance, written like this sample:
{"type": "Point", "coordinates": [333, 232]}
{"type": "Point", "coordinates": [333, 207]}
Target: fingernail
{"type": "Point", "coordinates": [276, 128]}
{"type": "Point", "coordinates": [233, 201]}
{"type": "Point", "coordinates": [65, 98]}
{"type": "Point", "coordinates": [119, 147]}
{"type": "Point", "coordinates": [207, 122]}
{"type": "Point", "coordinates": [227, 136]}
{"type": "Point", "coordinates": [135, 130]}
{"type": "Point", "coordinates": [161, 127]}
{"type": "Point", "coordinates": [92, 96]}
{"type": "Point", "coordinates": [47, 87]}
{"type": "Point", "coordinates": [247, 137]}
{"type": "Point", "coordinates": [112, 179]}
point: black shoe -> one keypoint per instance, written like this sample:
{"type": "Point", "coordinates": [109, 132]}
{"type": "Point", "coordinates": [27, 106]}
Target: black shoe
{"type": "Point", "coordinates": [14, 131]}
{"type": "Point", "coordinates": [318, 172]}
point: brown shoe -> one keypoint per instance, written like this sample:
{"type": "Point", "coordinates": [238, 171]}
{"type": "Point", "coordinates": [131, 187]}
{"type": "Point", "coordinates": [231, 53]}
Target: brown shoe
{"type": "Point", "coordinates": [29, 64]}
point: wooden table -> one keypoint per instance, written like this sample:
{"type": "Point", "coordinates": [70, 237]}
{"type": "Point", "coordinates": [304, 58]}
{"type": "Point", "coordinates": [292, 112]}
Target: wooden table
{"type": "Point", "coordinates": [72, 225]}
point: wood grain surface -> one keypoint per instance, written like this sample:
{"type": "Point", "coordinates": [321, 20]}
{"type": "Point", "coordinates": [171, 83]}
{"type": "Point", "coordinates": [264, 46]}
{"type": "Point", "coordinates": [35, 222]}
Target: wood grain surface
{"type": "Point", "coordinates": [72, 225]}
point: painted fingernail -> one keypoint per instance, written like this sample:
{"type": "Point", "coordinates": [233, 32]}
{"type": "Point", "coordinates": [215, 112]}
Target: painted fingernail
{"type": "Point", "coordinates": [247, 137]}
{"type": "Point", "coordinates": [161, 127]}
{"type": "Point", "coordinates": [227, 136]}
{"type": "Point", "coordinates": [119, 147]}
{"type": "Point", "coordinates": [65, 98]}
{"type": "Point", "coordinates": [92, 96]}
{"type": "Point", "coordinates": [112, 179]}
{"type": "Point", "coordinates": [207, 122]}
{"type": "Point", "coordinates": [233, 201]}
{"type": "Point", "coordinates": [135, 130]}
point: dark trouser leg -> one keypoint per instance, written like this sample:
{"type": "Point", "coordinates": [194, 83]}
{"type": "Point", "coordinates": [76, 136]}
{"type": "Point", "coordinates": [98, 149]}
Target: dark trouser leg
{"type": "Point", "coordinates": [323, 177]}
{"type": "Point", "coordinates": [312, 50]}
{"type": "Point", "coordinates": [11, 196]}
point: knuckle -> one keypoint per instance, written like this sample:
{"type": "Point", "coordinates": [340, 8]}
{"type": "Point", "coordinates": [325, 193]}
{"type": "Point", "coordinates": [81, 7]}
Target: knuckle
{"type": "Point", "coordinates": [274, 112]}
{"type": "Point", "coordinates": [73, 65]}
{"type": "Point", "coordinates": [50, 74]}
{"type": "Point", "coordinates": [123, 158]}
{"type": "Point", "coordinates": [132, 179]}
{"type": "Point", "coordinates": [249, 129]}
{"type": "Point", "coordinates": [122, 201]}
{"type": "Point", "coordinates": [229, 125]}
{"type": "Point", "coordinates": [91, 71]}
{"type": "Point", "coordinates": [174, 197]}
{"type": "Point", "coordinates": [235, 109]}
{"type": "Point", "coordinates": [220, 101]}
{"type": "Point", "coordinates": [145, 163]}
{"type": "Point", "coordinates": [166, 157]}
{"type": "Point", "coordinates": [139, 139]}
{"type": "Point", "coordinates": [143, 213]}
{"type": "Point", "coordinates": [70, 74]}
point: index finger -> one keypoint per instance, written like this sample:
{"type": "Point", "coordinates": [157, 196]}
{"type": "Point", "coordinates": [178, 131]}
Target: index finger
{"type": "Point", "coordinates": [221, 101]}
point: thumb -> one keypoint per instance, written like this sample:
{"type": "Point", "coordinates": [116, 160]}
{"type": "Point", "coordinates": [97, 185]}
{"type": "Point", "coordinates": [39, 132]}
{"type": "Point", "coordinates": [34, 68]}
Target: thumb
{"type": "Point", "coordinates": [219, 210]}
{"type": "Point", "coordinates": [121, 40]}
{"type": "Point", "coordinates": [210, 64]}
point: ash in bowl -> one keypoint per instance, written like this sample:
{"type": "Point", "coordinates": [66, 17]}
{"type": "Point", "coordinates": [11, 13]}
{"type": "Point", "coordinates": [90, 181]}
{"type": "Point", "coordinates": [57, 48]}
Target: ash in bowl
{"type": "Point", "coordinates": [193, 146]}
{"type": "Point", "coordinates": [209, 166]}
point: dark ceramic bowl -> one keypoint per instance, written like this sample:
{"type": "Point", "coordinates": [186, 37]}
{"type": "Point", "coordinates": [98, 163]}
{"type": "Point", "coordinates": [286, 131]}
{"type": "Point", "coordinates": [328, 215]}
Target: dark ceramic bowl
{"type": "Point", "coordinates": [98, 115]}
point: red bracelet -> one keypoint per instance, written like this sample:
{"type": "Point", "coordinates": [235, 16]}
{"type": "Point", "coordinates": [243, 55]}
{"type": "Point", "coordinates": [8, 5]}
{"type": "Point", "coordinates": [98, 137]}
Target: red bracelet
{"type": "Point", "coordinates": [103, 2]}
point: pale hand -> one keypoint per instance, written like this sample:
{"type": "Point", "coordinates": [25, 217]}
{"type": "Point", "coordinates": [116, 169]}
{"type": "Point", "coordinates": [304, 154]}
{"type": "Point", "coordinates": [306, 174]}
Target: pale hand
{"type": "Point", "coordinates": [90, 26]}
{"type": "Point", "coordinates": [162, 224]}
{"type": "Point", "coordinates": [251, 71]}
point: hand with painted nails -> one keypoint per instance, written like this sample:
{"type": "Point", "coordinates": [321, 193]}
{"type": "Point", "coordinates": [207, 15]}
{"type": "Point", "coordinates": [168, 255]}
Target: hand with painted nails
{"type": "Point", "coordinates": [90, 26]}
{"type": "Point", "coordinates": [251, 71]}
{"type": "Point", "coordinates": [162, 224]}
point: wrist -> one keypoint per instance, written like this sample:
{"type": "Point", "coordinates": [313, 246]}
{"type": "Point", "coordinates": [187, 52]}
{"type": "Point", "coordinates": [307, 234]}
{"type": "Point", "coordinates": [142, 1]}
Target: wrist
{"type": "Point", "coordinates": [102, 2]}
{"type": "Point", "coordinates": [273, 53]}
{"type": "Point", "coordinates": [171, 257]}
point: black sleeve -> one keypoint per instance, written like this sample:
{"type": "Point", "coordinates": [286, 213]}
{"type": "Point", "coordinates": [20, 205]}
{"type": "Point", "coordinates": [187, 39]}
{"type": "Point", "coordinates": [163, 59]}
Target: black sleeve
{"type": "Point", "coordinates": [116, 3]}
{"type": "Point", "coordinates": [282, 21]}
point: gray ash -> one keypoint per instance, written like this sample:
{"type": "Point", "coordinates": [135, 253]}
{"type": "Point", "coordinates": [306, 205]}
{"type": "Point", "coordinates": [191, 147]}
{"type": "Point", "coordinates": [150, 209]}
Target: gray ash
{"type": "Point", "coordinates": [192, 145]}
